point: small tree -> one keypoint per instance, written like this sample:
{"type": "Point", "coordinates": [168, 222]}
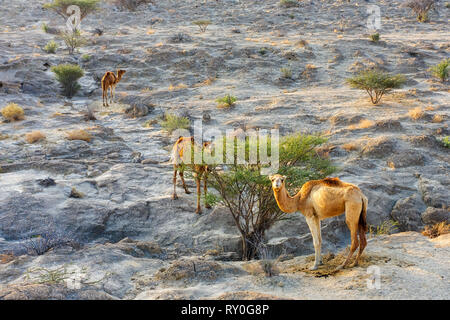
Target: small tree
{"type": "Point", "coordinates": [420, 8]}
{"type": "Point", "coordinates": [68, 75]}
{"type": "Point", "coordinates": [226, 101]}
{"type": "Point", "coordinates": [73, 40]}
{"type": "Point", "coordinates": [202, 24]}
{"type": "Point", "coordinates": [441, 70]}
{"type": "Point", "coordinates": [376, 83]}
{"type": "Point", "coordinates": [248, 195]}
{"type": "Point", "coordinates": [60, 7]}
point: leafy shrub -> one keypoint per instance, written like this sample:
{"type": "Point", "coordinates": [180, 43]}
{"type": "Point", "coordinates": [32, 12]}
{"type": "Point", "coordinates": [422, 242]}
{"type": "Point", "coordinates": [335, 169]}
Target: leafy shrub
{"type": "Point", "coordinates": [441, 70]}
{"type": "Point", "coordinates": [420, 8]}
{"type": "Point", "coordinates": [289, 3]}
{"type": "Point", "coordinates": [131, 5]}
{"type": "Point", "coordinates": [387, 227]}
{"type": "Point", "coordinates": [85, 57]}
{"type": "Point", "coordinates": [73, 40]}
{"type": "Point", "coordinates": [286, 73]}
{"type": "Point", "coordinates": [446, 142]}
{"type": "Point", "coordinates": [226, 101]}
{"type": "Point", "coordinates": [13, 112]}
{"type": "Point", "coordinates": [79, 134]}
{"type": "Point", "coordinates": [60, 7]}
{"type": "Point", "coordinates": [202, 24]}
{"type": "Point", "coordinates": [51, 47]}
{"type": "Point", "coordinates": [172, 122]}
{"type": "Point", "coordinates": [35, 136]}
{"type": "Point", "coordinates": [376, 83]}
{"type": "Point", "coordinates": [68, 75]}
{"type": "Point", "coordinates": [257, 211]}
{"type": "Point", "coordinates": [375, 37]}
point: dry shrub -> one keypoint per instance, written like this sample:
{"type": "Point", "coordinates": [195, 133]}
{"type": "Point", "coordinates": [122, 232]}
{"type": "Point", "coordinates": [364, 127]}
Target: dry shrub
{"type": "Point", "coordinates": [363, 124]}
{"type": "Point", "coordinates": [6, 257]}
{"type": "Point", "coordinates": [177, 87]}
{"type": "Point", "coordinates": [436, 230]}
{"type": "Point", "coordinates": [349, 146]}
{"type": "Point", "coordinates": [416, 113]}
{"type": "Point", "coordinates": [189, 270]}
{"type": "Point", "coordinates": [438, 118]}
{"type": "Point", "coordinates": [13, 112]}
{"type": "Point", "coordinates": [79, 134]}
{"type": "Point", "coordinates": [34, 136]}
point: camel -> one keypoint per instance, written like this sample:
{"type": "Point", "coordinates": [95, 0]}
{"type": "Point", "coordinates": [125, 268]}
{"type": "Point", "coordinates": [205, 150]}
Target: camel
{"type": "Point", "coordinates": [110, 80]}
{"type": "Point", "coordinates": [200, 171]}
{"type": "Point", "coordinates": [326, 198]}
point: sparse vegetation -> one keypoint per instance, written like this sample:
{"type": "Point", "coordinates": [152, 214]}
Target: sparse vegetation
{"type": "Point", "coordinates": [13, 112]}
{"type": "Point", "coordinates": [41, 243]}
{"type": "Point", "coordinates": [387, 227]}
{"type": "Point", "coordinates": [51, 47]}
{"type": "Point", "coordinates": [68, 75]}
{"type": "Point", "coordinates": [73, 40]}
{"type": "Point", "coordinates": [85, 57]}
{"type": "Point", "coordinates": [286, 73]}
{"type": "Point", "coordinates": [226, 101]}
{"type": "Point", "coordinates": [376, 83]}
{"type": "Point", "coordinates": [420, 8]}
{"type": "Point", "coordinates": [416, 113]}
{"type": "Point", "coordinates": [34, 136]}
{"type": "Point", "coordinates": [172, 122]}
{"type": "Point", "coordinates": [45, 27]}
{"type": "Point", "coordinates": [375, 37]}
{"type": "Point", "coordinates": [255, 213]}
{"type": "Point", "coordinates": [79, 134]}
{"type": "Point", "coordinates": [60, 7]}
{"type": "Point", "coordinates": [436, 230]}
{"type": "Point", "coordinates": [202, 24]}
{"type": "Point", "coordinates": [131, 5]}
{"type": "Point", "coordinates": [441, 70]}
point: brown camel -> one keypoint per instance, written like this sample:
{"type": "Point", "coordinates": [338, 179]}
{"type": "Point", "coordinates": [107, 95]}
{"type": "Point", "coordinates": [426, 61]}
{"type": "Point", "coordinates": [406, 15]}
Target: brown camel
{"type": "Point", "coordinates": [200, 171]}
{"type": "Point", "coordinates": [321, 199]}
{"type": "Point", "coordinates": [110, 80]}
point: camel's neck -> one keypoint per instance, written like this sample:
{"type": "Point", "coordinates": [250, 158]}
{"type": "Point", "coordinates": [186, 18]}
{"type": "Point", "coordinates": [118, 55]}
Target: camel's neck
{"type": "Point", "coordinates": [118, 77]}
{"type": "Point", "coordinates": [287, 203]}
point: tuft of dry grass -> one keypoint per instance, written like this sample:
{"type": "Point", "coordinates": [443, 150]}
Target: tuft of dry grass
{"type": "Point", "coordinates": [79, 134]}
{"type": "Point", "coordinates": [13, 112]}
{"type": "Point", "coordinates": [34, 136]}
{"type": "Point", "coordinates": [6, 257]}
{"type": "Point", "coordinates": [363, 124]}
{"type": "Point", "coordinates": [177, 87]}
{"type": "Point", "coordinates": [349, 146]}
{"type": "Point", "coordinates": [416, 113]}
{"type": "Point", "coordinates": [436, 230]}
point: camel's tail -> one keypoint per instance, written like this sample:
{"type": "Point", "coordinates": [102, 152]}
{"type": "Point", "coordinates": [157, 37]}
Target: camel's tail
{"type": "Point", "coordinates": [362, 217]}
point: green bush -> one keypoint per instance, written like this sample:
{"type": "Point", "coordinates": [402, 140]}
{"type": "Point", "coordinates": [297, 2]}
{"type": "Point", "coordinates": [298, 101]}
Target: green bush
{"type": "Point", "coordinates": [60, 7]}
{"type": "Point", "coordinates": [441, 70]}
{"type": "Point", "coordinates": [257, 211]}
{"type": "Point", "coordinates": [172, 122]}
{"type": "Point", "coordinates": [45, 27]}
{"type": "Point", "coordinates": [68, 75]}
{"type": "Point", "coordinates": [375, 37]}
{"type": "Point", "coordinates": [51, 47]}
{"type": "Point", "coordinates": [202, 24]}
{"type": "Point", "coordinates": [446, 142]}
{"type": "Point", "coordinates": [376, 83]}
{"type": "Point", "coordinates": [226, 101]}
{"type": "Point", "coordinates": [85, 57]}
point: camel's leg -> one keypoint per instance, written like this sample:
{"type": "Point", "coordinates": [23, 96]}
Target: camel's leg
{"type": "Point", "coordinates": [111, 94]}
{"type": "Point", "coordinates": [197, 181]}
{"type": "Point", "coordinates": [352, 212]}
{"type": "Point", "coordinates": [103, 96]}
{"type": "Point", "coordinates": [106, 96]}
{"type": "Point", "coordinates": [205, 188]}
{"type": "Point", "coordinates": [314, 227]}
{"type": "Point", "coordinates": [174, 196]}
{"type": "Point", "coordinates": [184, 183]}
{"type": "Point", "coordinates": [362, 244]}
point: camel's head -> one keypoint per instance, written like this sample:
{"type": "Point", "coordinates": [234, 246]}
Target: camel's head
{"type": "Point", "coordinates": [121, 72]}
{"type": "Point", "coordinates": [277, 181]}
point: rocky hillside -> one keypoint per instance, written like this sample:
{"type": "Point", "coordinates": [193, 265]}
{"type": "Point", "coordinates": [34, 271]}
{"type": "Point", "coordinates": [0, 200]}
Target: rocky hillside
{"type": "Point", "coordinates": [112, 195]}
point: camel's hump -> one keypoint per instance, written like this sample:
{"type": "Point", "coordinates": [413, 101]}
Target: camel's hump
{"type": "Point", "coordinates": [332, 182]}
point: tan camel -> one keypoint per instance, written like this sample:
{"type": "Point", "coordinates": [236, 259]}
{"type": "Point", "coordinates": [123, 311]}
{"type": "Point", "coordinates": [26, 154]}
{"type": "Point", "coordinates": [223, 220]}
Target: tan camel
{"type": "Point", "coordinates": [326, 198]}
{"type": "Point", "coordinates": [181, 149]}
{"type": "Point", "coordinates": [110, 80]}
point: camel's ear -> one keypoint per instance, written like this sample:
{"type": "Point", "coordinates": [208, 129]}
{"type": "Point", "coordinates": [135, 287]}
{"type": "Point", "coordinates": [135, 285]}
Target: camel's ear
{"type": "Point", "coordinates": [192, 139]}
{"type": "Point", "coordinates": [271, 178]}
{"type": "Point", "coordinates": [284, 178]}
